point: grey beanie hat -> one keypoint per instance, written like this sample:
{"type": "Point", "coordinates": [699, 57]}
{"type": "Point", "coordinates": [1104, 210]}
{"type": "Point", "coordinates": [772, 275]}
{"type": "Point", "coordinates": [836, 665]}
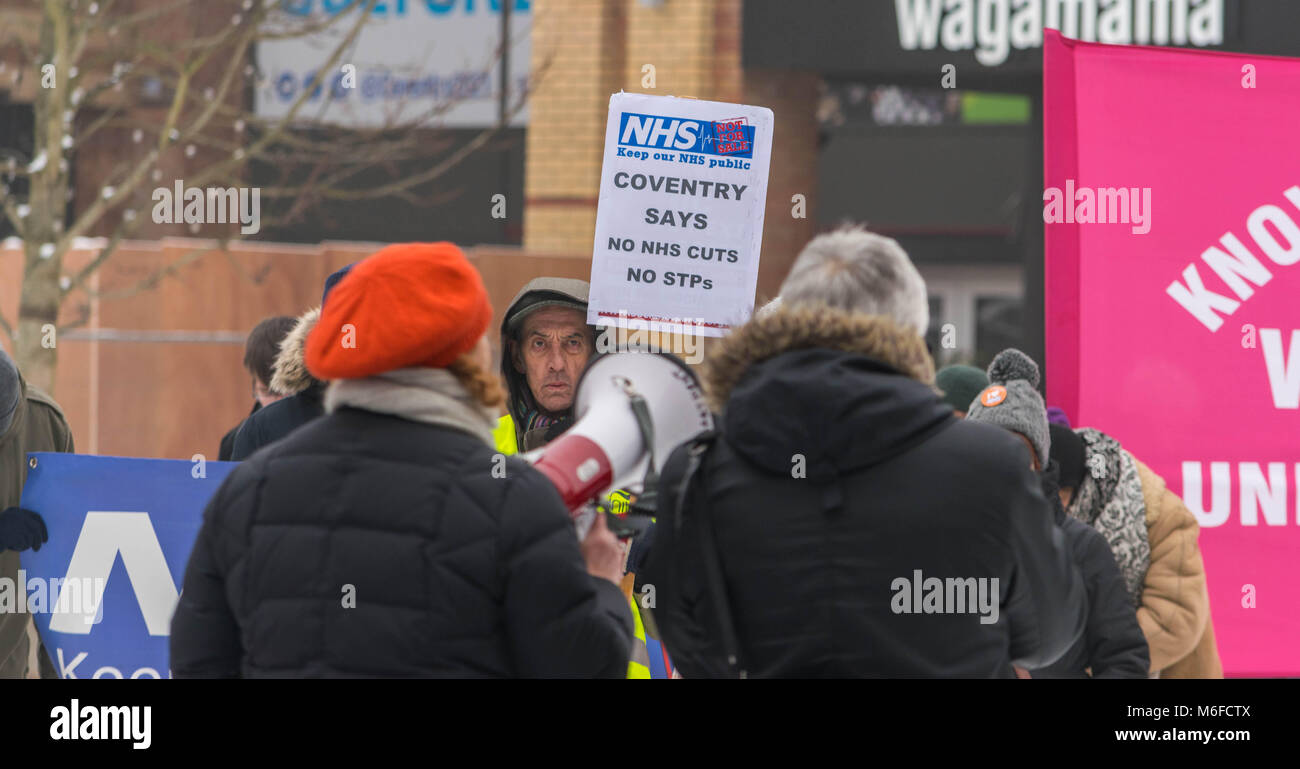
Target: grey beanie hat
{"type": "Point", "coordinates": [1012, 402]}
{"type": "Point", "coordinates": [569, 293]}
{"type": "Point", "coordinates": [10, 390]}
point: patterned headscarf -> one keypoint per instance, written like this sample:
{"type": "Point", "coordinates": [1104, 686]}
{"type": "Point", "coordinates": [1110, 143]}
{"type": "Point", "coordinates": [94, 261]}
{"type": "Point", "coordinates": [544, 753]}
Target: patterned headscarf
{"type": "Point", "coordinates": [1109, 499]}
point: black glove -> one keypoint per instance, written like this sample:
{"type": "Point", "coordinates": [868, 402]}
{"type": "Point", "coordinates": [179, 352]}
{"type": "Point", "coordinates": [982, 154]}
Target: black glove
{"type": "Point", "coordinates": [557, 428]}
{"type": "Point", "coordinates": [22, 529]}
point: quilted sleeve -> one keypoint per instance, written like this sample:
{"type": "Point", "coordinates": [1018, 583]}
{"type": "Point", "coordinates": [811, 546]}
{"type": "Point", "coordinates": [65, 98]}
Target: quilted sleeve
{"type": "Point", "coordinates": [560, 620]}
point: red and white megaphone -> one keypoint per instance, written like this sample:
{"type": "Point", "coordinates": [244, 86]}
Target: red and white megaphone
{"type": "Point", "coordinates": [622, 399]}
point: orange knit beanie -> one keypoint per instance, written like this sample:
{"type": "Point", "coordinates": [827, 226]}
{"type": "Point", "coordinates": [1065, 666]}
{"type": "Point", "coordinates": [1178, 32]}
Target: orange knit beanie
{"type": "Point", "coordinates": [409, 304]}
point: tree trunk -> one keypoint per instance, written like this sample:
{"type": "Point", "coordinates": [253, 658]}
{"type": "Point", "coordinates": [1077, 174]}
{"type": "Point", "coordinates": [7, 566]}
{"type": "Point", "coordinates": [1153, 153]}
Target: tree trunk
{"type": "Point", "coordinates": [36, 342]}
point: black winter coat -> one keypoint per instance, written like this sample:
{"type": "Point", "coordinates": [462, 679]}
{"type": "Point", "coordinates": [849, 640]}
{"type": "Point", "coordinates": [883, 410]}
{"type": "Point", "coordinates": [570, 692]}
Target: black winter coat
{"type": "Point", "coordinates": [277, 420]}
{"type": "Point", "coordinates": [1112, 645]}
{"type": "Point", "coordinates": [454, 572]}
{"type": "Point", "coordinates": [227, 448]}
{"type": "Point", "coordinates": [836, 475]}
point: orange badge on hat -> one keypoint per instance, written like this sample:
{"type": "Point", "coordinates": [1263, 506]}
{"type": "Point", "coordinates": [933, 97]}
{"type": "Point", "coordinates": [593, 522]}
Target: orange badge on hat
{"type": "Point", "coordinates": [993, 396]}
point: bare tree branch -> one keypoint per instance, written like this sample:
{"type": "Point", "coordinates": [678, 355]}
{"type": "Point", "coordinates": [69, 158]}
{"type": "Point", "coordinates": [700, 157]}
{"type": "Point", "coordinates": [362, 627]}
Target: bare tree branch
{"type": "Point", "coordinates": [151, 281]}
{"type": "Point", "coordinates": [201, 76]}
{"type": "Point", "coordinates": [11, 212]}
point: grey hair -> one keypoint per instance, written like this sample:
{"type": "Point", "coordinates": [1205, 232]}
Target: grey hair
{"type": "Point", "coordinates": [859, 271]}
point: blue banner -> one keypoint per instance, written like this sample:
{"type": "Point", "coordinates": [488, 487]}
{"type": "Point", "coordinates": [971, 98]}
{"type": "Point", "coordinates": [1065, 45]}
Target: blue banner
{"type": "Point", "coordinates": [103, 589]}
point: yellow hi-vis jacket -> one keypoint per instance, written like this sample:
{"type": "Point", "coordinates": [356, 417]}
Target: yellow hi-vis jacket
{"type": "Point", "coordinates": [617, 501]}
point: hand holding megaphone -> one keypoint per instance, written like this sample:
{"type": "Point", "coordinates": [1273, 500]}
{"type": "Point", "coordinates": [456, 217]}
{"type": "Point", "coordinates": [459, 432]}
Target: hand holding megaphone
{"type": "Point", "coordinates": [603, 552]}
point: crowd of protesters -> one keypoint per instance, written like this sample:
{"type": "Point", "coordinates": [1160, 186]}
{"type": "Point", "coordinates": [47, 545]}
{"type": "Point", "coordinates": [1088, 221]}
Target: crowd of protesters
{"type": "Point", "coordinates": [850, 516]}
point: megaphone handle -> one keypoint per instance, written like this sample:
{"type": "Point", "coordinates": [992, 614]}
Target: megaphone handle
{"type": "Point", "coordinates": [643, 421]}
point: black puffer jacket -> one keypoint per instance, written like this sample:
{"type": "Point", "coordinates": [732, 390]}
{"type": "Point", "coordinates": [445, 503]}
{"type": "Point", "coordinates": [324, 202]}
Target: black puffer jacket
{"type": "Point", "coordinates": [838, 472]}
{"type": "Point", "coordinates": [1112, 645]}
{"type": "Point", "coordinates": [455, 572]}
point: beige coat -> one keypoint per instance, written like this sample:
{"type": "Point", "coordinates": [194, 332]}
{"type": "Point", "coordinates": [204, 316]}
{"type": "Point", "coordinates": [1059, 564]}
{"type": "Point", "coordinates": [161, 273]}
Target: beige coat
{"type": "Point", "coordinates": [1175, 610]}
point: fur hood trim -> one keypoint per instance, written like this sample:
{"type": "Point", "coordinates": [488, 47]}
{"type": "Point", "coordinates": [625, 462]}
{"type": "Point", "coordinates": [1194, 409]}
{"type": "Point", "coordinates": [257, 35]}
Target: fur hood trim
{"type": "Point", "coordinates": [797, 328]}
{"type": "Point", "coordinates": [290, 376]}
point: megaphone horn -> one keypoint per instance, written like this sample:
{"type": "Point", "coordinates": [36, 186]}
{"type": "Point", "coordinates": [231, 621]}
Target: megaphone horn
{"type": "Point", "coordinates": [630, 411]}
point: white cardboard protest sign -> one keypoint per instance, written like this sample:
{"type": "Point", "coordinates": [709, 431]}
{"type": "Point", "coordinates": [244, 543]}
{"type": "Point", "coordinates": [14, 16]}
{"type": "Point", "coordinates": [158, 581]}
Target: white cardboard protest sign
{"type": "Point", "coordinates": [680, 219]}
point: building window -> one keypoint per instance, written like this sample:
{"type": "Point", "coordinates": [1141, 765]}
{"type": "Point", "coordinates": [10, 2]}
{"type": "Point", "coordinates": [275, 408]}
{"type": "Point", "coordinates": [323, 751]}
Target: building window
{"type": "Point", "coordinates": [999, 324]}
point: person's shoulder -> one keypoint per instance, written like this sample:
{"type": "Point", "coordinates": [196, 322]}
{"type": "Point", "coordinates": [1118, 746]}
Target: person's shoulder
{"type": "Point", "coordinates": [45, 416]}
{"type": "Point", "coordinates": [519, 470]}
{"type": "Point", "coordinates": [523, 482]}
{"type": "Point", "coordinates": [1164, 508]}
{"type": "Point", "coordinates": [271, 412]}
{"type": "Point", "coordinates": [984, 448]}
{"type": "Point", "coordinates": [38, 399]}
{"type": "Point", "coordinates": [258, 424]}
{"type": "Point", "coordinates": [1089, 546]}
{"type": "Point", "coordinates": [503, 435]}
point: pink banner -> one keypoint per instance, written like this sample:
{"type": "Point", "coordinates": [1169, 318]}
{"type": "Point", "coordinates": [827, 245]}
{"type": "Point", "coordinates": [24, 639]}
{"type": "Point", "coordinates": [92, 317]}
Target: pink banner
{"type": "Point", "coordinates": [1172, 210]}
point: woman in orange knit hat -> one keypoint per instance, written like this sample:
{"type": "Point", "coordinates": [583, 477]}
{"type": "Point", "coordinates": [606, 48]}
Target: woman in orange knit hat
{"type": "Point", "coordinates": [388, 538]}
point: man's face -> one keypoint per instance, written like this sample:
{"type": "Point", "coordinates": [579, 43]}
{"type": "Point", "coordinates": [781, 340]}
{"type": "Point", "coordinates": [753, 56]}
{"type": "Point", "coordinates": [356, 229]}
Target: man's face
{"type": "Point", "coordinates": [553, 347]}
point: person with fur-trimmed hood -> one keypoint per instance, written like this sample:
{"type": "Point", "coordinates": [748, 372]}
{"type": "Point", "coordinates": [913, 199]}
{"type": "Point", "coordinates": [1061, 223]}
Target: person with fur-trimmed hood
{"type": "Point", "coordinates": [841, 489]}
{"type": "Point", "coordinates": [302, 395]}
{"type": "Point", "coordinates": [260, 352]}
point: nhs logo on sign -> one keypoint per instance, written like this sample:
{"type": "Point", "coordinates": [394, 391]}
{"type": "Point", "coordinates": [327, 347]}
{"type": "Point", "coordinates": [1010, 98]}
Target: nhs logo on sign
{"type": "Point", "coordinates": [727, 138]}
{"type": "Point", "coordinates": [121, 531]}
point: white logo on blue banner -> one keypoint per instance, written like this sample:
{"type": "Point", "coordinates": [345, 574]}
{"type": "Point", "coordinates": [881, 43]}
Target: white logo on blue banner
{"type": "Point", "coordinates": [127, 526]}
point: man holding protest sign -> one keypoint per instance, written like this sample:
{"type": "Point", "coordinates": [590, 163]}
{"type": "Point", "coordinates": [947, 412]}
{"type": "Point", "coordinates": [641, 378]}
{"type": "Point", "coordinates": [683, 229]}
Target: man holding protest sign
{"type": "Point", "coordinates": [545, 345]}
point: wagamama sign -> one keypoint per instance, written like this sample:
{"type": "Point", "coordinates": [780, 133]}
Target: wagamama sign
{"type": "Point", "coordinates": [992, 28]}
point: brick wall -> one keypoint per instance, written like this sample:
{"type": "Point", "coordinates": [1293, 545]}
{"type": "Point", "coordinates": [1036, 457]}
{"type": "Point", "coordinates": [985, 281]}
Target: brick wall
{"type": "Point", "coordinates": [588, 50]}
{"type": "Point", "coordinates": [591, 49]}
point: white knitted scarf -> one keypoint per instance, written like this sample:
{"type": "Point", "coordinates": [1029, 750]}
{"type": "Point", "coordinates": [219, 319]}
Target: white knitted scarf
{"type": "Point", "coordinates": [430, 395]}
